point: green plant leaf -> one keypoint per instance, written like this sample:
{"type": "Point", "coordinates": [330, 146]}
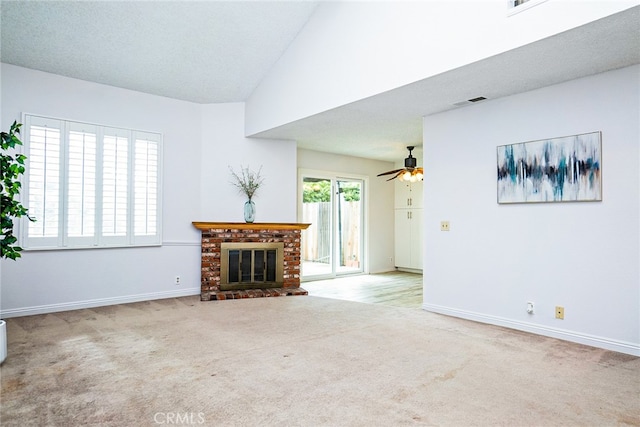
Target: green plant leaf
{"type": "Point", "coordinates": [10, 169]}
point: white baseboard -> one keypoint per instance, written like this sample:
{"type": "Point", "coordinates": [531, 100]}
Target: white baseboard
{"type": "Point", "coordinates": [594, 341]}
{"type": "Point", "coordinates": [409, 270]}
{"type": "Point", "coordinates": [77, 305]}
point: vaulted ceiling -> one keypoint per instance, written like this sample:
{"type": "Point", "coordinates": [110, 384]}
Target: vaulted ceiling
{"type": "Point", "coordinates": [219, 51]}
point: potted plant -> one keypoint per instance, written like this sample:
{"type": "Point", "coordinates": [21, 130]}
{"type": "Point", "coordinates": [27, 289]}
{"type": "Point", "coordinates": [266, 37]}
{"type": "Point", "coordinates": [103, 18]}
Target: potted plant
{"type": "Point", "coordinates": [12, 167]}
{"type": "Point", "coordinates": [248, 183]}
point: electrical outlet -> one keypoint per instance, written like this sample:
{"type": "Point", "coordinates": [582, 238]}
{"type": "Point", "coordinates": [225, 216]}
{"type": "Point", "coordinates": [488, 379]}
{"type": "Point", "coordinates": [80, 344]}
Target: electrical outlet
{"type": "Point", "coordinates": [177, 280]}
{"type": "Point", "coordinates": [530, 307]}
{"type": "Point", "coordinates": [444, 225]}
{"type": "Point", "coordinates": [559, 312]}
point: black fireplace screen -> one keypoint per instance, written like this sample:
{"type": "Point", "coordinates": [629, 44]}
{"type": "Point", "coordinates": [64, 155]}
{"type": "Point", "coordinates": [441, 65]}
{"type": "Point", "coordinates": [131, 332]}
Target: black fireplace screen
{"type": "Point", "coordinates": [252, 266]}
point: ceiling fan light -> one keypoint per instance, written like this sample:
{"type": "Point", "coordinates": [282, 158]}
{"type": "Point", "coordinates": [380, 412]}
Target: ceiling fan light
{"type": "Point", "coordinates": [411, 171]}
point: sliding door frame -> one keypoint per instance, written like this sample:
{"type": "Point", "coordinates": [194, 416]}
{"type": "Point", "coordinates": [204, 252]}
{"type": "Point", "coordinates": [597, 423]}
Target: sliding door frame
{"type": "Point", "coordinates": [364, 229]}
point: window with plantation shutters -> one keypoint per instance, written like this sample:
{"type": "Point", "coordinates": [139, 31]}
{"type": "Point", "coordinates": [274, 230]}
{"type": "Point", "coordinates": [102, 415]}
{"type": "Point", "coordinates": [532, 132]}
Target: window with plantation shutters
{"type": "Point", "coordinates": [115, 184]}
{"type": "Point", "coordinates": [81, 181]}
{"type": "Point", "coordinates": [90, 186]}
{"type": "Point", "coordinates": [146, 194]}
{"type": "Point", "coordinates": [43, 188]}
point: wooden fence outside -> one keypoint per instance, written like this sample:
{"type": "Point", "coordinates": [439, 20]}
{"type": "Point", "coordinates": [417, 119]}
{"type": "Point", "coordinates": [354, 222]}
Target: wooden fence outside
{"type": "Point", "coordinates": [316, 240]}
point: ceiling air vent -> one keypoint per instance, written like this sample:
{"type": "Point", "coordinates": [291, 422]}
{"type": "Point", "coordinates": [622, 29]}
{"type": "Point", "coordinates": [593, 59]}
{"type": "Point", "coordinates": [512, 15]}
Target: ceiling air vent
{"type": "Point", "coordinates": [469, 101]}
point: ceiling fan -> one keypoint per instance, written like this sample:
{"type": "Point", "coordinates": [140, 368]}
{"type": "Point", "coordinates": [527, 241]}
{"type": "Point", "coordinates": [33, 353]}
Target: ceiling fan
{"type": "Point", "coordinates": [410, 172]}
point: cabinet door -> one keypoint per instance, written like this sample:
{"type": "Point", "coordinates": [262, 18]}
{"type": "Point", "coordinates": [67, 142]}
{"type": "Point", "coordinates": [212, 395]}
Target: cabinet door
{"type": "Point", "coordinates": [402, 194]}
{"type": "Point", "coordinates": [416, 239]}
{"type": "Point", "coordinates": [403, 238]}
{"type": "Point", "coordinates": [416, 194]}
{"type": "Point", "coordinates": [408, 195]}
{"type": "Point", "coordinates": [408, 238]}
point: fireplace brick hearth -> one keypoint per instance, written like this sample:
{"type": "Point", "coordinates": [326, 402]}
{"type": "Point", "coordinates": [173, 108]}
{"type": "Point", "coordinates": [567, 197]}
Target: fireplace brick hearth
{"type": "Point", "coordinates": [214, 234]}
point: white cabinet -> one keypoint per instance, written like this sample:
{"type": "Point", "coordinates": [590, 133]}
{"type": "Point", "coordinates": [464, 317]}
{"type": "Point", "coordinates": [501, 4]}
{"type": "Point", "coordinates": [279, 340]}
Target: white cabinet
{"type": "Point", "coordinates": [408, 194]}
{"type": "Point", "coordinates": [408, 239]}
{"type": "Point", "coordinates": [408, 225]}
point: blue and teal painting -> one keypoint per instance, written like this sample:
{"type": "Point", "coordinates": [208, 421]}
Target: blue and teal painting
{"type": "Point", "coordinates": [563, 169]}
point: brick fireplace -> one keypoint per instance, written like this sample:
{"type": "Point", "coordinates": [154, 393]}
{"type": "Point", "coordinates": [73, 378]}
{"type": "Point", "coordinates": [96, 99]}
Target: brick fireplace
{"type": "Point", "coordinates": [248, 235]}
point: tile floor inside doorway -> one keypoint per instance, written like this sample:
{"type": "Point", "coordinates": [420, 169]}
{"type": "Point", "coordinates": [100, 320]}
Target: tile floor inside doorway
{"type": "Point", "coordinates": [396, 288]}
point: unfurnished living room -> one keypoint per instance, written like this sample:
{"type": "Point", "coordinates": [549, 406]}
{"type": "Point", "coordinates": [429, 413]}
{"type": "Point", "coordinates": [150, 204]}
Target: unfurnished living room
{"type": "Point", "coordinates": [320, 213]}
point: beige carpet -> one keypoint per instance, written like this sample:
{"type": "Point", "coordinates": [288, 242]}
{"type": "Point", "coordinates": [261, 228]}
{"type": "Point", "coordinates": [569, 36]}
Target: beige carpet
{"type": "Point", "coordinates": [302, 361]}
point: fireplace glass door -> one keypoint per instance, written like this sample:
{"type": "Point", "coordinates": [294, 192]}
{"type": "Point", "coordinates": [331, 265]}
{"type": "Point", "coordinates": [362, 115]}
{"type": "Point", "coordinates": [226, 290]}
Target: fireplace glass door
{"type": "Point", "coordinates": [252, 265]}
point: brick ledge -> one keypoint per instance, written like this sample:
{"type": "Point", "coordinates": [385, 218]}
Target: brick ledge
{"type": "Point", "coordinates": [251, 293]}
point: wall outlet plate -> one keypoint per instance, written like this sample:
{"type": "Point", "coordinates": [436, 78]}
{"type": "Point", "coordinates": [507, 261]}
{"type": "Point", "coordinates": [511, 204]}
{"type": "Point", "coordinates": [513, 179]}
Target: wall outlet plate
{"type": "Point", "coordinates": [444, 226]}
{"type": "Point", "coordinates": [559, 312]}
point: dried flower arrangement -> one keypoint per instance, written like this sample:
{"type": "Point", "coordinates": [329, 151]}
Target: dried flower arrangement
{"type": "Point", "coordinates": [247, 181]}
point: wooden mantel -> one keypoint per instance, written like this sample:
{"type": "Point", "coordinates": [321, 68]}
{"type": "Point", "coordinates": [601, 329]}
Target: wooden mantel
{"type": "Point", "coordinates": [250, 225]}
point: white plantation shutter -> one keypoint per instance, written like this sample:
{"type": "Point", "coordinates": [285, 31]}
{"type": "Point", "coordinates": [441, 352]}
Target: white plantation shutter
{"type": "Point", "coordinates": [81, 183]}
{"type": "Point", "coordinates": [115, 179]}
{"type": "Point", "coordinates": [90, 185]}
{"type": "Point", "coordinates": [146, 178]}
{"type": "Point", "coordinates": [43, 189]}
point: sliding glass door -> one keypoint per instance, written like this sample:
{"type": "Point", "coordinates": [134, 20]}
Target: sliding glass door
{"type": "Point", "coordinates": [349, 222]}
{"type": "Point", "coordinates": [333, 244]}
{"type": "Point", "coordinates": [317, 240]}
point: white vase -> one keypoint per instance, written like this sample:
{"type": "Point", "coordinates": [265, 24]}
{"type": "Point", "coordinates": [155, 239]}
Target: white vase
{"type": "Point", "coordinates": [3, 340]}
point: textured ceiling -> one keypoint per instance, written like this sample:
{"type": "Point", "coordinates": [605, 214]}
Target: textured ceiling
{"type": "Point", "coordinates": [218, 51]}
{"type": "Point", "coordinates": [200, 51]}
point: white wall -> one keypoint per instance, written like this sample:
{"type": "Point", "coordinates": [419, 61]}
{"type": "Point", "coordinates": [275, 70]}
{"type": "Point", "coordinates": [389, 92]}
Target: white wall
{"type": "Point", "coordinates": [199, 143]}
{"type": "Point", "coordinates": [224, 145]}
{"type": "Point", "coordinates": [352, 50]}
{"type": "Point", "coordinates": [380, 213]}
{"type": "Point", "coordinates": [583, 256]}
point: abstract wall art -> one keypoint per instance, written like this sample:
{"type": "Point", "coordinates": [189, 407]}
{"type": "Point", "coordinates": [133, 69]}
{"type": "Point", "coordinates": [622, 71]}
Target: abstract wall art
{"type": "Point", "coordinates": [565, 169]}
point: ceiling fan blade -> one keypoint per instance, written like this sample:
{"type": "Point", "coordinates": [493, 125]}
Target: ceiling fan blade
{"type": "Point", "coordinates": [400, 172]}
{"type": "Point", "coordinates": [390, 172]}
